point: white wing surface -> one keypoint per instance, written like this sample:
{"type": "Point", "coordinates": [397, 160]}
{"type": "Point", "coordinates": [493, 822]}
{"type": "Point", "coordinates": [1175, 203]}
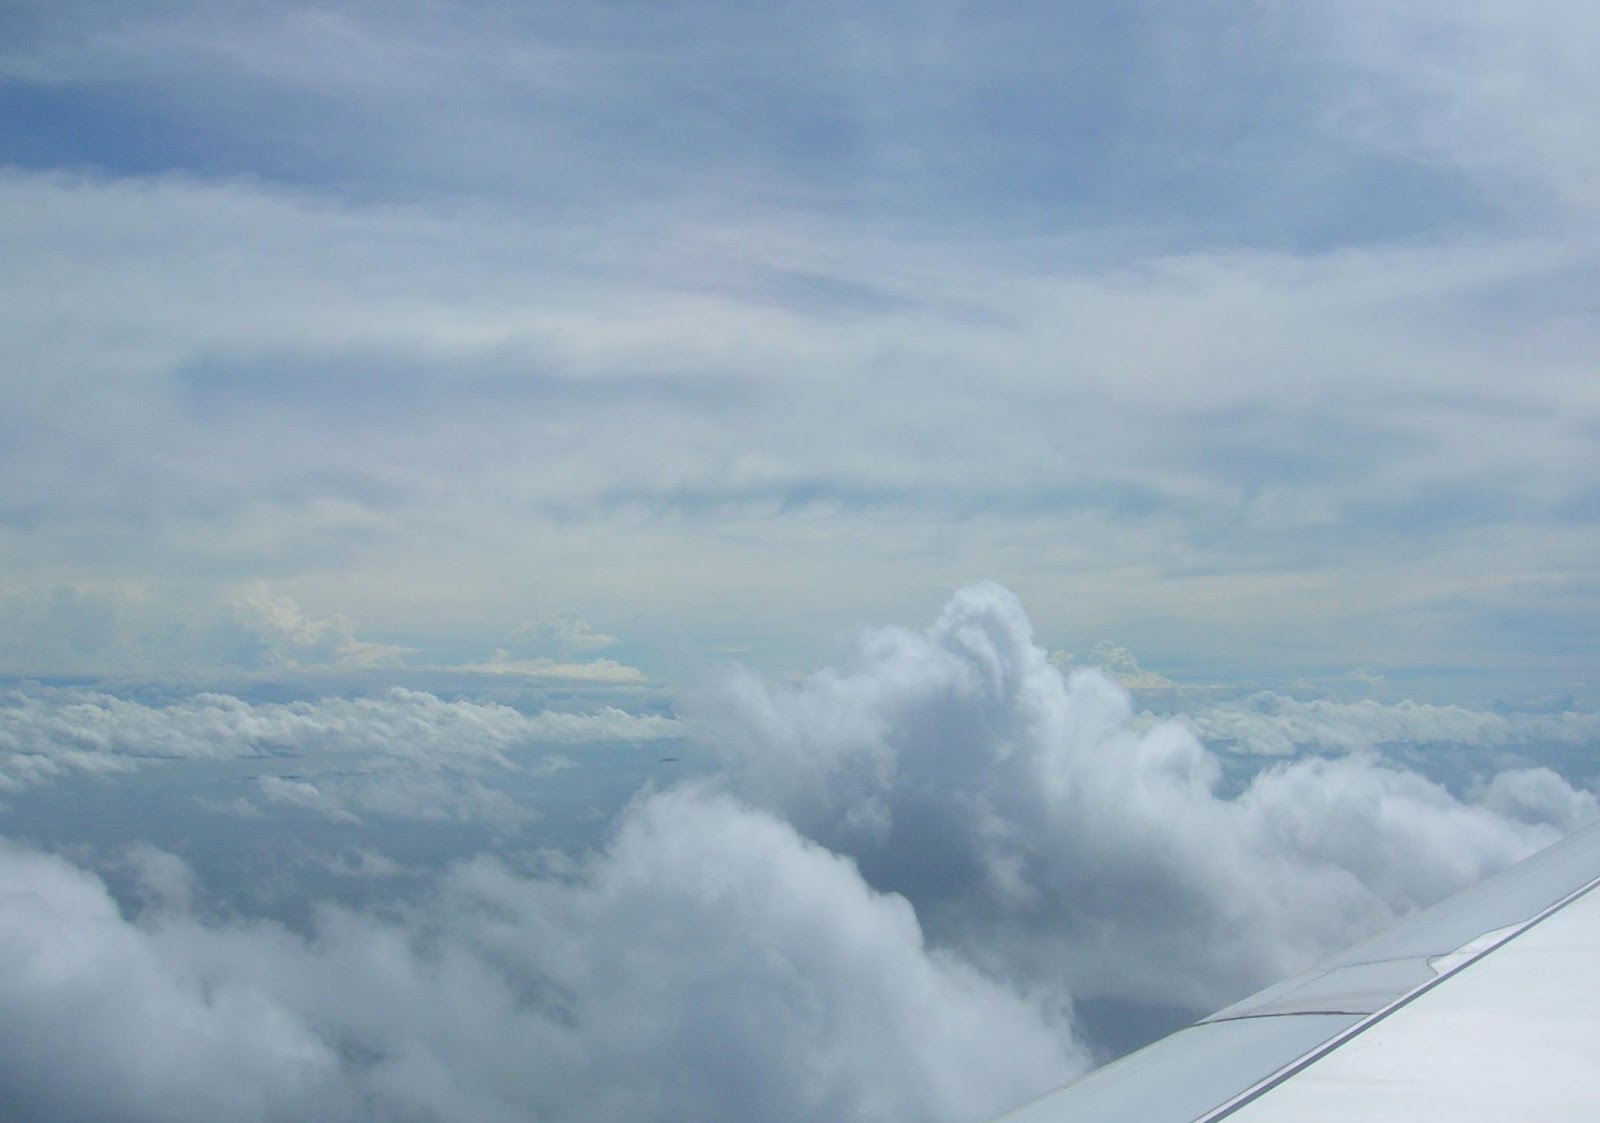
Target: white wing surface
{"type": "Point", "coordinates": [1486, 1006]}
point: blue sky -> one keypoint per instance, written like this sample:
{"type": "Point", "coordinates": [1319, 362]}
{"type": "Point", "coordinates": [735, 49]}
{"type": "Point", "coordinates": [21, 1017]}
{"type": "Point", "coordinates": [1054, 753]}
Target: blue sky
{"type": "Point", "coordinates": [1257, 342]}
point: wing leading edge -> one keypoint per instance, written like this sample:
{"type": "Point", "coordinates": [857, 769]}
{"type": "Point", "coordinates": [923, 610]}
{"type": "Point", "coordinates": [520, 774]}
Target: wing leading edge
{"type": "Point", "coordinates": [1484, 1006]}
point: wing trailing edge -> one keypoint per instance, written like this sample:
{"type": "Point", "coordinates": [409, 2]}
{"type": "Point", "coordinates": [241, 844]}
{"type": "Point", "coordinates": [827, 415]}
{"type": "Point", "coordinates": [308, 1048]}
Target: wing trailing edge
{"type": "Point", "coordinates": [1486, 1005]}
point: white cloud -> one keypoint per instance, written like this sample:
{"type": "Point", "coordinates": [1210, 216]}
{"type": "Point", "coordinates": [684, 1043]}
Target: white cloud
{"type": "Point", "coordinates": [160, 881]}
{"type": "Point", "coordinates": [846, 333]}
{"type": "Point", "coordinates": [1499, 90]}
{"type": "Point", "coordinates": [1538, 795]}
{"type": "Point", "coordinates": [937, 849]}
{"type": "Point", "coordinates": [1034, 828]}
{"type": "Point", "coordinates": [1118, 662]}
{"type": "Point", "coordinates": [406, 753]}
{"type": "Point", "coordinates": [710, 963]}
{"type": "Point", "coordinates": [566, 632]}
{"type": "Point", "coordinates": [404, 793]}
{"type": "Point", "coordinates": [687, 440]}
{"type": "Point", "coordinates": [402, 723]}
{"type": "Point", "coordinates": [249, 631]}
{"type": "Point", "coordinates": [101, 1022]}
{"type": "Point", "coordinates": [260, 629]}
{"type": "Point", "coordinates": [1278, 725]}
{"type": "Point", "coordinates": [125, 628]}
{"type": "Point", "coordinates": [551, 670]}
{"type": "Point", "coordinates": [696, 399]}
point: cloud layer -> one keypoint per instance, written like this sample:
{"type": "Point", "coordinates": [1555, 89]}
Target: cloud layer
{"type": "Point", "coordinates": [1043, 294]}
{"type": "Point", "coordinates": [1275, 724]}
{"type": "Point", "coordinates": [919, 872]}
{"type": "Point", "coordinates": [405, 753]}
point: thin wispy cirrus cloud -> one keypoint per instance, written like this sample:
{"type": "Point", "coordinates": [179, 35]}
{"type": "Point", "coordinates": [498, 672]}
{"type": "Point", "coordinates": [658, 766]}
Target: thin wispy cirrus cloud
{"type": "Point", "coordinates": [478, 477]}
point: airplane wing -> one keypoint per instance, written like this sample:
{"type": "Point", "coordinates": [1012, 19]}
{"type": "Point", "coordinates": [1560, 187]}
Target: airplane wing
{"type": "Point", "coordinates": [1486, 1006]}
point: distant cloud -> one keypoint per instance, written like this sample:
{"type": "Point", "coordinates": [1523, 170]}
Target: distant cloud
{"type": "Point", "coordinates": [1277, 725]}
{"type": "Point", "coordinates": [258, 629]}
{"type": "Point", "coordinates": [1118, 662]}
{"type": "Point", "coordinates": [406, 753]}
{"type": "Point", "coordinates": [126, 628]}
{"type": "Point", "coordinates": [566, 632]}
{"type": "Point", "coordinates": [386, 791]}
{"type": "Point", "coordinates": [551, 670]}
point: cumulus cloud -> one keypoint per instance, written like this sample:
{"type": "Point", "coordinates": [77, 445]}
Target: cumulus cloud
{"type": "Point", "coordinates": [102, 1023]}
{"type": "Point", "coordinates": [594, 671]}
{"type": "Point", "coordinates": [122, 628]}
{"type": "Point", "coordinates": [403, 754]}
{"type": "Point", "coordinates": [710, 964]}
{"type": "Point", "coordinates": [566, 632]}
{"type": "Point", "coordinates": [400, 722]}
{"type": "Point", "coordinates": [260, 629]}
{"type": "Point", "coordinates": [1038, 829]}
{"type": "Point", "coordinates": [1538, 795]}
{"type": "Point", "coordinates": [399, 793]}
{"type": "Point", "coordinates": [1277, 725]}
{"type": "Point", "coordinates": [552, 648]}
{"type": "Point", "coordinates": [251, 631]}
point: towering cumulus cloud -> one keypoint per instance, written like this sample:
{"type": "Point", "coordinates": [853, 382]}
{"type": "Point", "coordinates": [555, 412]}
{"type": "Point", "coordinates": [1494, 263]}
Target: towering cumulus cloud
{"type": "Point", "coordinates": [1039, 833]}
{"type": "Point", "coordinates": [919, 874]}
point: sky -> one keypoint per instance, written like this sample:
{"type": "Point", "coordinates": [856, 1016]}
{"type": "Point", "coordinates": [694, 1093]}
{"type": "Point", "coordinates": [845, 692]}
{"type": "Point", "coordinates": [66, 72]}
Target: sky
{"type": "Point", "coordinates": [668, 560]}
{"type": "Point", "coordinates": [1257, 343]}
